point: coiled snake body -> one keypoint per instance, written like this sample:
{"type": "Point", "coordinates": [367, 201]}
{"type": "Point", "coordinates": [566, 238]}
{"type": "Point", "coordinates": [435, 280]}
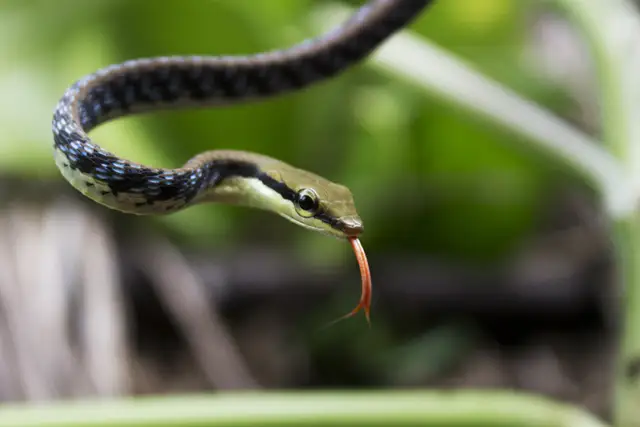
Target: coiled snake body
{"type": "Point", "coordinates": [224, 176]}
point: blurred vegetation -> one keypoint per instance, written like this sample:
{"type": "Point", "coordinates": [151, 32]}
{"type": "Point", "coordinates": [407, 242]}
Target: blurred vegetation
{"type": "Point", "coordinates": [428, 180]}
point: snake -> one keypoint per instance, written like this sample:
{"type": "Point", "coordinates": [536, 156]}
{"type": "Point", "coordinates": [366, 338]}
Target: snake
{"type": "Point", "coordinates": [234, 177]}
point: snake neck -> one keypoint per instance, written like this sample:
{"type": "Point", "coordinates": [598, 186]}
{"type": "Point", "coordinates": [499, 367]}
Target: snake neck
{"type": "Point", "coordinates": [240, 178]}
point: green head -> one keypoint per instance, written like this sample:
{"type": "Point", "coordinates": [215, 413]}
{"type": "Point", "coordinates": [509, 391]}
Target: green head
{"type": "Point", "coordinates": [302, 197]}
{"type": "Point", "coordinates": [312, 202]}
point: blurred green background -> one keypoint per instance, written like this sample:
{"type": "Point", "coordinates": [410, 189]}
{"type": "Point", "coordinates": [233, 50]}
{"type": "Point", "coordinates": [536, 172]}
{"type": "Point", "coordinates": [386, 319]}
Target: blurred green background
{"type": "Point", "coordinates": [452, 209]}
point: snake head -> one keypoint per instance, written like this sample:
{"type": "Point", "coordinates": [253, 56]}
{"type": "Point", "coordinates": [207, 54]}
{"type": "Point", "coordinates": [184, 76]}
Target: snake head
{"type": "Point", "coordinates": [302, 197]}
{"type": "Point", "coordinates": [316, 203]}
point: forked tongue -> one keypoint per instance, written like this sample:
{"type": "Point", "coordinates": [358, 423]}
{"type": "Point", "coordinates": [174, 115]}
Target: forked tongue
{"type": "Point", "coordinates": [365, 273]}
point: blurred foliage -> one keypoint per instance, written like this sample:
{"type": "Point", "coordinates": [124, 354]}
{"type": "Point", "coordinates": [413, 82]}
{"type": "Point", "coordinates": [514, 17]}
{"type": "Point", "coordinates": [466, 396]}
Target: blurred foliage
{"type": "Point", "coordinates": [425, 178]}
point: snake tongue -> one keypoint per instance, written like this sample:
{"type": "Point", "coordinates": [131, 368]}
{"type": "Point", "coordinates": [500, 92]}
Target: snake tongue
{"type": "Point", "coordinates": [365, 273]}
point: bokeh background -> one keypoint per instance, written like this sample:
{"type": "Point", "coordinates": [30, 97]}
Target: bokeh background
{"type": "Point", "coordinates": [491, 267]}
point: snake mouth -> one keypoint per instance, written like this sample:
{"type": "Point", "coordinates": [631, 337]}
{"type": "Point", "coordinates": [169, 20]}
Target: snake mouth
{"type": "Point", "coordinates": [344, 228]}
{"type": "Point", "coordinates": [351, 226]}
{"type": "Point", "coordinates": [311, 227]}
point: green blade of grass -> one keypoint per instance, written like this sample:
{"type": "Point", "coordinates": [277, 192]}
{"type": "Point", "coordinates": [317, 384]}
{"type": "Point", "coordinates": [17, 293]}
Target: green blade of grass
{"type": "Point", "coordinates": [453, 408]}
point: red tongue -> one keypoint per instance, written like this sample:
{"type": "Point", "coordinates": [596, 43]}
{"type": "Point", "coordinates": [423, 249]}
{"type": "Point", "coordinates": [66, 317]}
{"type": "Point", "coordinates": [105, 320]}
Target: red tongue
{"type": "Point", "coordinates": [365, 296]}
{"type": "Point", "coordinates": [365, 273]}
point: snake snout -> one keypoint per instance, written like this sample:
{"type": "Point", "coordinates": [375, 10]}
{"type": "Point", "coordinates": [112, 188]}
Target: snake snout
{"type": "Point", "coordinates": [351, 226]}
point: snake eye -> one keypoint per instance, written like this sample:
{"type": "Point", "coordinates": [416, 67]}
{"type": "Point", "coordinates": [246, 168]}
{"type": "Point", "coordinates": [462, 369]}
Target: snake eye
{"type": "Point", "coordinates": [307, 202]}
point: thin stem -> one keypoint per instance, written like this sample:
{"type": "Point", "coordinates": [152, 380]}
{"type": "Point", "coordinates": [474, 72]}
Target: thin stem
{"type": "Point", "coordinates": [612, 28]}
{"type": "Point", "coordinates": [467, 408]}
{"type": "Point", "coordinates": [627, 390]}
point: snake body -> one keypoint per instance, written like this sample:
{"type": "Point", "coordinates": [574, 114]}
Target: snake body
{"type": "Point", "coordinates": [144, 85]}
